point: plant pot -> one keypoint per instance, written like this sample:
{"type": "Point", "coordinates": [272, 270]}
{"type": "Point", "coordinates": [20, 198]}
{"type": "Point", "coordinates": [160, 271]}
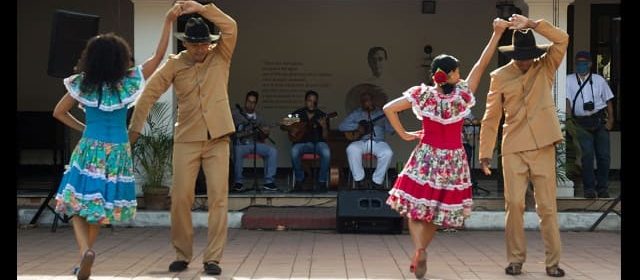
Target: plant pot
{"type": "Point", "coordinates": [565, 188]}
{"type": "Point", "coordinates": [156, 199]}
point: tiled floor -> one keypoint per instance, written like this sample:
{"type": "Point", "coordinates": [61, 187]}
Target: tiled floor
{"type": "Point", "coordinates": [145, 253]}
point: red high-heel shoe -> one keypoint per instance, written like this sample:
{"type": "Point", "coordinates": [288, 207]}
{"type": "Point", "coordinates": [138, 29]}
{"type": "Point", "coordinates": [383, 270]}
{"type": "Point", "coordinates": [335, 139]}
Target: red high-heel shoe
{"type": "Point", "coordinates": [419, 263]}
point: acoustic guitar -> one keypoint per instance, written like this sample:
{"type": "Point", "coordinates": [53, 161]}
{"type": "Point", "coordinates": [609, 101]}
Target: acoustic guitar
{"type": "Point", "coordinates": [364, 128]}
{"type": "Point", "coordinates": [297, 128]}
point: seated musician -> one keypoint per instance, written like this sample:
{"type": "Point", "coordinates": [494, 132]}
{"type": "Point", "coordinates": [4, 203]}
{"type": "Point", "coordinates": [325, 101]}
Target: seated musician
{"type": "Point", "coordinates": [247, 134]}
{"type": "Point", "coordinates": [357, 127]}
{"type": "Point", "coordinates": [310, 137]}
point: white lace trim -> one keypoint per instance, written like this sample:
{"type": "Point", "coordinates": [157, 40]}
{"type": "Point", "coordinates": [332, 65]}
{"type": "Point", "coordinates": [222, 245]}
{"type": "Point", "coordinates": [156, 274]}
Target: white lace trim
{"type": "Point", "coordinates": [434, 184]}
{"type": "Point", "coordinates": [451, 120]}
{"type": "Point", "coordinates": [431, 203]}
{"type": "Point", "coordinates": [107, 108]}
{"type": "Point", "coordinates": [420, 113]}
{"type": "Point", "coordinates": [109, 205]}
{"type": "Point", "coordinates": [126, 102]}
{"type": "Point", "coordinates": [99, 175]}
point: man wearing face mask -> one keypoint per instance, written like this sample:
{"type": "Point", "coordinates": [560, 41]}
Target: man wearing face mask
{"type": "Point", "coordinates": [589, 102]}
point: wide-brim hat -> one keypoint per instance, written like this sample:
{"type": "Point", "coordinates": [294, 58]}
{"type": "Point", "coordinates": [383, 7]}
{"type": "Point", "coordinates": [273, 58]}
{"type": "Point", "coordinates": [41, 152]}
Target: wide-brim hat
{"type": "Point", "coordinates": [182, 37]}
{"type": "Point", "coordinates": [196, 31]}
{"type": "Point", "coordinates": [523, 46]}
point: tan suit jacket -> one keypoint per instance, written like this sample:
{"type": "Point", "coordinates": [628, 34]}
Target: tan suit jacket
{"type": "Point", "coordinates": [201, 88]}
{"type": "Point", "coordinates": [531, 120]}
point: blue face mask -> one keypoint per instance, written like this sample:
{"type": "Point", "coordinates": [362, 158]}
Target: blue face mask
{"type": "Point", "coordinates": [582, 67]}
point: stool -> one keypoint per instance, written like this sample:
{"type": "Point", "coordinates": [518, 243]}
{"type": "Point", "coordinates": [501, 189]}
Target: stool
{"type": "Point", "coordinates": [306, 157]}
{"type": "Point", "coordinates": [252, 156]}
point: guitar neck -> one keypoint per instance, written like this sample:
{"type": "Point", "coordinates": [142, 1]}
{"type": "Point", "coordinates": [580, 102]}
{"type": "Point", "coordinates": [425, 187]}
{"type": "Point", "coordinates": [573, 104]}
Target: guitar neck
{"type": "Point", "coordinates": [378, 118]}
{"type": "Point", "coordinates": [249, 131]}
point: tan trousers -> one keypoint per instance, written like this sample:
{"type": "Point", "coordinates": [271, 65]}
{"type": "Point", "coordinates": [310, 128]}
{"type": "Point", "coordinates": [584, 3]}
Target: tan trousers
{"type": "Point", "coordinates": [539, 167]}
{"type": "Point", "coordinates": [187, 157]}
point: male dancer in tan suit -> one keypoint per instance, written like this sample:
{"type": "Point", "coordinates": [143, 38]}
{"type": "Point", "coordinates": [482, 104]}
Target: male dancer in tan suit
{"type": "Point", "coordinates": [522, 90]}
{"type": "Point", "coordinates": [200, 76]}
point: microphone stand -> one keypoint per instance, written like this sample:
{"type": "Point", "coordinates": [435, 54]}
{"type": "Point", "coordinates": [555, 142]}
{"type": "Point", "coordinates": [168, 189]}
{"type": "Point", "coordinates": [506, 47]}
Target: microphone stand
{"type": "Point", "coordinates": [476, 189]}
{"type": "Point", "coordinates": [373, 134]}
{"type": "Point", "coordinates": [255, 130]}
{"type": "Point", "coordinates": [315, 151]}
{"type": "Point", "coordinates": [254, 135]}
{"type": "Point", "coordinates": [604, 215]}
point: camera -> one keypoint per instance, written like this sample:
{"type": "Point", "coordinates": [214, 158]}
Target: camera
{"type": "Point", "coordinates": [588, 106]}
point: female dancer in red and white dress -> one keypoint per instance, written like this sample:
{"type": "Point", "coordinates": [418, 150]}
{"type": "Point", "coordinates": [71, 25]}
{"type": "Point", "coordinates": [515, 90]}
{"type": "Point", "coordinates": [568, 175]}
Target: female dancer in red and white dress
{"type": "Point", "coordinates": [434, 187]}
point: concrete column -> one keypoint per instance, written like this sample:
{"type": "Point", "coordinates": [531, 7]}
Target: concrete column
{"type": "Point", "coordinates": [148, 21]}
{"type": "Point", "coordinates": [555, 11]}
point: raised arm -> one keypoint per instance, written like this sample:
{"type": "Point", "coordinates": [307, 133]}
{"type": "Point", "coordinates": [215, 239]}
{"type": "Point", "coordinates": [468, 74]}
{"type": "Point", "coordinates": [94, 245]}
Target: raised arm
{"type": "Point", "coordinates": [475, 75]}
{"type": "Point", "coordinates": [149, 66]}
{"type": "Point", "coordinates": [559, 38]}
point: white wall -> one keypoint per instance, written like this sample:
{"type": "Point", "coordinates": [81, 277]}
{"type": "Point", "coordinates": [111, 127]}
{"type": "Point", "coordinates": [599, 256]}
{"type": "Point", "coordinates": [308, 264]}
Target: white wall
{"type": "Point", "coordinates": [333, 37]}
{"type": "Point", "coordinates": [36, 90]}
{"type": "Point", "coordinates": [327, 36]}
{"type": "Point", "coordinates": [582, 23]}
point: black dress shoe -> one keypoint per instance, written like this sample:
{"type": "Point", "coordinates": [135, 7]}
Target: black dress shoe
{"type": "Point", "coordinates": [237, 187]}
{"type": "Point", "coordinates": [603, 194]}
{"type": "Point", "coordinates": [376, 186]}
{"type": "Point", "coordinates": [270, 187]}
{"type": "Point", "coordinates": [177, 266]}
{"type": "Point", "coordinates": [212, 268]}
{"type": "Point", "coordinates": [555, 271]}
{"type": "Point", "coordinates": [321, 187]}
{"type": "Point", "coordinates": [513, 269]}
{"type": "Point", "coordinates": [361, 185]}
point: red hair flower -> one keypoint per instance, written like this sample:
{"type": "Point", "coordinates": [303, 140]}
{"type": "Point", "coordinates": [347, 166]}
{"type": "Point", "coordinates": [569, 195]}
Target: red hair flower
{"type": "Point", "coordinates": [440, 77]}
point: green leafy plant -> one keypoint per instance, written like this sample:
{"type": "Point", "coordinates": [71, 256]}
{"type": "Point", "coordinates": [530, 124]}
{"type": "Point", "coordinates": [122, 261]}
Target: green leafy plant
{"type": "Point", "coordinates": [567, 154]}
{"type": "Point", "coordinates": [153, 150]}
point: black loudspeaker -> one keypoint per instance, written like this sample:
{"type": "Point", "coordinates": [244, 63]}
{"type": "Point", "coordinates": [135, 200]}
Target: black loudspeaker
{"type": "Point", "coordinates": [69, 35]}
{"type": "Point", "coordinates": [366, 211]}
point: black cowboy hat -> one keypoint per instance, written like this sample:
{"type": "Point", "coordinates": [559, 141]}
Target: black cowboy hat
{"type": "Point", "coordinates": [523, 46]}
{"type": "Point", "coordinates": [196, 31]}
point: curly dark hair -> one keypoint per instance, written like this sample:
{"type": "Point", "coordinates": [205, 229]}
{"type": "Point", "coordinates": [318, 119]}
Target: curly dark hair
{"type": "Point", "coordinates": [104, 61]}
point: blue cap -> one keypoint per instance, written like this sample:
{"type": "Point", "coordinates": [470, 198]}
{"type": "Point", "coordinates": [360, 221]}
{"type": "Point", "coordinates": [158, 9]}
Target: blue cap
{"type": "Point", "coordinates": [584, 55]}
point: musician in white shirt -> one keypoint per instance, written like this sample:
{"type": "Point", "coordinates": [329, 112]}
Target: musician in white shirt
{"type": "Point", "coordinates": [369, 141]}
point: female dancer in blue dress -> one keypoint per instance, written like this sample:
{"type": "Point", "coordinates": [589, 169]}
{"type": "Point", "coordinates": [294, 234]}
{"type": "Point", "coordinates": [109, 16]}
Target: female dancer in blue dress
{"type": "Point", "coordinates": [98, 186]}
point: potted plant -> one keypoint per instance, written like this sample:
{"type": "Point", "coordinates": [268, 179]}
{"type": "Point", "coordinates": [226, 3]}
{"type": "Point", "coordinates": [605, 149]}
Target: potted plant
{"type": "Point", "coordinates": [567, 163]}
{"type": "Point", "coordinates": [152, 155]}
